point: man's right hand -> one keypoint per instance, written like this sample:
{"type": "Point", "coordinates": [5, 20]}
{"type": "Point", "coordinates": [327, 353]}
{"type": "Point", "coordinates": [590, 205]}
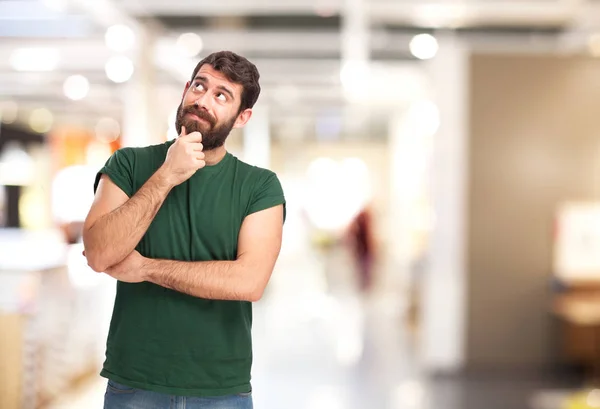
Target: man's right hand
{"type": "Point", "coordinates": [184, 158]}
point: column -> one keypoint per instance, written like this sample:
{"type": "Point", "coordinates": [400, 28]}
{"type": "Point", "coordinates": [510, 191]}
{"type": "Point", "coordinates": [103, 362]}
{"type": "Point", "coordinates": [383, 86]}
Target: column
{"type": "Point", "coordinates": [355, 49]}
{"type": "Point", "coordinates": [405, 186]}
{"type": "Point", "coordinates": [355, 31]}
{"type": "Point", "coordinates": [143, 122]}
{"type": "Point", "coordinates": [257, 138]}
{"type": "Point", "coordinates": [443, 293]}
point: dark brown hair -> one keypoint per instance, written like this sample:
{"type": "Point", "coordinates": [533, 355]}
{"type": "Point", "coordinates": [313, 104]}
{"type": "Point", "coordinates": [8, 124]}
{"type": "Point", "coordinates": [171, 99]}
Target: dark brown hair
{"type": "Point", "coordinates": [237, 69]}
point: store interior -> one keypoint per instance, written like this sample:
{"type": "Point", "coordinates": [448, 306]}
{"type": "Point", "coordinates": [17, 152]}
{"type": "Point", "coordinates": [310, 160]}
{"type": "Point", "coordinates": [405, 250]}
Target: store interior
{"type": "Point", "coordinates": [461, 137]}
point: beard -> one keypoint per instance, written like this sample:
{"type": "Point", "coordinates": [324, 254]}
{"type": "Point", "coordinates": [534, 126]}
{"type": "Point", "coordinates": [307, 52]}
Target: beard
{"type": "Point", "coordinates": [214, 135]}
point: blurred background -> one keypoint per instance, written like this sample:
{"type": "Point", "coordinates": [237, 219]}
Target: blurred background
{"type": "Point", "coordinates": [441, 164]}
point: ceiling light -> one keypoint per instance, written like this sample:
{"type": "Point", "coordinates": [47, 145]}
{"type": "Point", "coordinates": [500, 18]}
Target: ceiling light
{"type": "Point", "coordinates": [119, 69]}
{"type": "Point", "coordinates": [424, 46]}
{"type": "Point", "coordinates": [41, 120]}
{"type": "Point", "coordinates": [107, 130]}
{"type": "Point", "coordinates": [76, 87]}
{"type": "Point", "coordinates": [119, 38]}
{"type": "Point", "coordinates": [16, 166]}
{"type": "Point", "coordinates": [34, 59]}
{"type": "Point", "coordinates": [189, 44]}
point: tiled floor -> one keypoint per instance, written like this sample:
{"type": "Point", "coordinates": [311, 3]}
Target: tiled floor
{"type": "Point", "coordinates": [319, 345]}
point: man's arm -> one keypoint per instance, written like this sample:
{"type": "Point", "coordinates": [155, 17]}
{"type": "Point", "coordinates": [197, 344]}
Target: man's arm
{"type": "Point", "coordinates": [116, 224]}
{"type": "Point", "coordinates": [245, 279]}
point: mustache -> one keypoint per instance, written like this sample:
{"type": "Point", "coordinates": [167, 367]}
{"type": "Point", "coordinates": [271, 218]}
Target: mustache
{"type": "Point", "coordinates": [200, 113]}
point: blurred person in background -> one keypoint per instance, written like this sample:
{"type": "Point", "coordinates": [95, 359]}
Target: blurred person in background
{"type": "Point", "coordinates": [361, 240]}
{"type": "Point", "coordinates": [192, 235]}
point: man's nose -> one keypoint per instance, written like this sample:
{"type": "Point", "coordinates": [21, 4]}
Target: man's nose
{"type": "Point", "coordinates": [202, 102]}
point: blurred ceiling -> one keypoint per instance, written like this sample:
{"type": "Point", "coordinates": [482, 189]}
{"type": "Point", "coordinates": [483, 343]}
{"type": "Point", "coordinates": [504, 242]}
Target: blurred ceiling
{"type": "Point", "coordinates": [298, 46]}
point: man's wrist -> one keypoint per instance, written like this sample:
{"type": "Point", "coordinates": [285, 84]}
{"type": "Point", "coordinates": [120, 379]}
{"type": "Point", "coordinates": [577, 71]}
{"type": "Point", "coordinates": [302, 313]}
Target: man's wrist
{"type": "Point", "coordinates": [148, 269]}
{"type": "Point", "coordinates": [163, 179]}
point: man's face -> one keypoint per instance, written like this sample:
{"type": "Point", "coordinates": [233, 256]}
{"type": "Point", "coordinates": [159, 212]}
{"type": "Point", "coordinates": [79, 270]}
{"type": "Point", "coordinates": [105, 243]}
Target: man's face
{"type": "Point", "coordinates": [210, 106]}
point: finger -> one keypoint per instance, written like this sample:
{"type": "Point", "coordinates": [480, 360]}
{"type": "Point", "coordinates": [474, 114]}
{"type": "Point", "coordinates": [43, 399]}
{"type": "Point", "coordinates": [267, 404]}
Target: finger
{"type": "Point", "coordinates": [194, 137]}
{"type": "Point", "coordinates": [183, 132]}
{"type": "Point", "coordinates": [197, 147]}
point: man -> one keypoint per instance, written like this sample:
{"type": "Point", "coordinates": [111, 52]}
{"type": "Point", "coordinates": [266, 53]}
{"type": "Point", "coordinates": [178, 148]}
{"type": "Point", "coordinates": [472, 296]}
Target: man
{"type": "Point", "coordinates": [192, 234]}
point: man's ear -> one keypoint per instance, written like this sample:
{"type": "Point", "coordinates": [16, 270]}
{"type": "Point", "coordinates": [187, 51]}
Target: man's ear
{"type": "Point", "coordinates": [243, 118]}
{"type": "Point", "coordinates": [187, 86]}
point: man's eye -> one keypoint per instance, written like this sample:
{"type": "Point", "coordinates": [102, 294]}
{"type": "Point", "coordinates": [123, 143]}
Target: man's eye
{"type": "Point", "coordinates": [199, 87]}
{"type": "Point", "coordinates": [221, 96]}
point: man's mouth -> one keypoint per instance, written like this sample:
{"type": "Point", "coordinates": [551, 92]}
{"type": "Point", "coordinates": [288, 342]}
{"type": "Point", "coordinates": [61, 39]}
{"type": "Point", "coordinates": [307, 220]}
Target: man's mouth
{"type": "Point", "coordinates": [196, 117]}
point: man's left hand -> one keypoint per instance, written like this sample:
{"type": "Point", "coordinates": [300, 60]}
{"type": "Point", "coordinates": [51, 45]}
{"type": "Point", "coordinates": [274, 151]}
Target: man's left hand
{"type": "Point", "coordinates": [130, 270]}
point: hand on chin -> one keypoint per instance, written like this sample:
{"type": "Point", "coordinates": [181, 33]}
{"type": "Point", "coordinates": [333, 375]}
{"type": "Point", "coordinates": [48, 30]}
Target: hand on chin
{"type": "Point", "coordinates": [197, 126]}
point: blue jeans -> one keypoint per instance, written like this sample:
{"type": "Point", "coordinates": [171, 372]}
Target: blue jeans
{"type": "Point", "coordinates": [119, 396]}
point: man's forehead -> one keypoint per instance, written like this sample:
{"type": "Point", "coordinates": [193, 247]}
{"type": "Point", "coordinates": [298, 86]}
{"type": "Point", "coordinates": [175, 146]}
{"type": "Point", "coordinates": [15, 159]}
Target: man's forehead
{"type": "Point", "coordinates": [217, 77]}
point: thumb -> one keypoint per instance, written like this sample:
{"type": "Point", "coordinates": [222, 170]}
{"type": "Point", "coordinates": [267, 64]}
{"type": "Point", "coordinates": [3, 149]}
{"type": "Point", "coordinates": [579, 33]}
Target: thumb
{"type": "Point", "coordinates": [183, 131]}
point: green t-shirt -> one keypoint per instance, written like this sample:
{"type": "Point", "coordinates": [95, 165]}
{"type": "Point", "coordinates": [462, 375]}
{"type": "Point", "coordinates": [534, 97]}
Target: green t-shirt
{"type": "Point", "coordinates": [163, 340]}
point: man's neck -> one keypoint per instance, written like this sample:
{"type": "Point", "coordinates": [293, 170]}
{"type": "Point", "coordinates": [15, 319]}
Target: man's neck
{"type": "Point", "coordinates": [214, 156]}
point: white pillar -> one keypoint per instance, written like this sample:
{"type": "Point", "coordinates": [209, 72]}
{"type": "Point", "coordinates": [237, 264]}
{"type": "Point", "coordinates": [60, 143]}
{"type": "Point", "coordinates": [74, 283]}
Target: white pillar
{"type": "Point", "coordinates": [257, 138]}
{"type": "Point", "coordinates": [407, 186]}
{"type": "Point", "coordinates": [355, 50]}
{"type": "Point", "coordinates": [355, 31]}
{"type": "Point", "coordinates": [444, 286]}
{"type": "Point", "coordinates": [143, 123]}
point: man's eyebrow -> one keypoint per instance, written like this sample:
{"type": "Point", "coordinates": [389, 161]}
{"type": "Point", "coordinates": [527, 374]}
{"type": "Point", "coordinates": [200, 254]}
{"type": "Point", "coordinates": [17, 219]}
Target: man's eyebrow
{"type": "Point", "coordinates": [202, 78]}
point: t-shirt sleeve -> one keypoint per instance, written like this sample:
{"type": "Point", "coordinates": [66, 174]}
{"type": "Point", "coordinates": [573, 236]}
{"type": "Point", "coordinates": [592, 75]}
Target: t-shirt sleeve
{"type": "Point", "coordinates": [119, 168]}
{"type": "Point", "coordinates": [268, 193]}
